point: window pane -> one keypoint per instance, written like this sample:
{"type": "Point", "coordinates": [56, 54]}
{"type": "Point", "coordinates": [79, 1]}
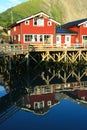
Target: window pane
{"type": "Point", "coordinates": [40, 22]}
{"type": "Point", "coordinates": [47, 39]}
{"type": "Point", "coordinates": [35, 21]}
{"type": "Point", "coordinates": [35, 37]}
{"type": "Point", "coordinates": [41, 39]}
{"type": "Point", "coordinates": [28, 38]}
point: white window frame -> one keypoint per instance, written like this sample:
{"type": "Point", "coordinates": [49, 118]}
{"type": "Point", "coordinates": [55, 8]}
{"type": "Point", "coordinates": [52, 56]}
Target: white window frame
{"type": "Point", "coordinates": [85, 25]}
{"type": "Point", "coordinates": [14, 29]}
{"type": "Point", "coordinates": [34, 22]}
{"type": "Point", "coordinates": [27, 22]}
{"type": "Point", "coordinates": [58, 41]}
{"type": "Point", "coordinates": [49, 103]}
{"type": "Point", "coordinates": [83, 44]}
{"type": "Point", "coordinates": [38, 37]}
{"type": "Point", "coordinates": [27, 38]}
{"type": "Point", "coordinates": [67, 42]}
{"type": "Point", "coordinates": [39, 105]}
{"type": "Point", "coordinates": [14, 37]}
{"type": "Point", "coordinates": [49, 23]}
{"type": "Point", "coordinates": [51, 36]}
{"type": "Point", "coordinates": [19, 39]}
{"type": "Point", "coordinates": [40, 22]}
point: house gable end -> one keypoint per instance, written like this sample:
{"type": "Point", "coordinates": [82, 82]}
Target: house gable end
{"type": "Point", "coordinates": [74, 23]}
{"type": "Point", "coordinates": [41, 14]}
{"type": "Point", "coordinates": [82, 23]}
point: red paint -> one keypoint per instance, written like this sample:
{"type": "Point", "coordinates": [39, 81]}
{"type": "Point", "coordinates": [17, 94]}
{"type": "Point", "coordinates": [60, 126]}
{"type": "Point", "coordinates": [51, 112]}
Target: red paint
{"type": "Point", "coordinates": [22, 29]}
{"type": "Point", "coordinates": [42, 97]}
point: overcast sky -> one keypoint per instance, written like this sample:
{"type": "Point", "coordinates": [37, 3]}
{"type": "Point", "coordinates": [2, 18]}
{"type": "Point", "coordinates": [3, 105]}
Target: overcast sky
{"type": "Point", "coordinates": [5, 4]}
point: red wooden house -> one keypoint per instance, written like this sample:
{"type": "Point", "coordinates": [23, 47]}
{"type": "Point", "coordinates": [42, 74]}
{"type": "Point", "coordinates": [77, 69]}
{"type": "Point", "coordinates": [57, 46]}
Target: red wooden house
{"type": "Point", "coordinates": [40, 100]}
{"type": "Point", "coordinates": [41, 30]}
{"type": "Point", "coordinates": [65, 38]}
{"type": "Point", "coordinates": [80, 94]}
{"type": "Point", "coordinates": [38, 29]}
{"type": "Point", "coordinates": [77, 33]}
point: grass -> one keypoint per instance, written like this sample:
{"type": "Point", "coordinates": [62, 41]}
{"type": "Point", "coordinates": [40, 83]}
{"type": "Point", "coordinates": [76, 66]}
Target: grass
{"type": "Point", "coordinates": [61, 10]}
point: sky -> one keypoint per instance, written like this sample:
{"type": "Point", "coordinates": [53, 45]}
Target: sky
{"type": "Point", "coordinates": [5, 4]}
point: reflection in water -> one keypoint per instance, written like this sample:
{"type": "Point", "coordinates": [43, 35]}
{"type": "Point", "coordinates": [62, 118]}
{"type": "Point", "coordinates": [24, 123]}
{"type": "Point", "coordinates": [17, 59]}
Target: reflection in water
{"type": "Point", "coordinates": [2, 91]}
{"type": "Point", "coordinates": [40, 90]}
{"type": "Point", "coordinates": [39, 100]}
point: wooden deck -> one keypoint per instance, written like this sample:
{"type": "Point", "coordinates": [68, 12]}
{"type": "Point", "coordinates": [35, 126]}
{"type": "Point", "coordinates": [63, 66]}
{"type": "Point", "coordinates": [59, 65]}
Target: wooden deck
{"type": "Point", "coordinates": [16, 48]}
{"type": "Point", "coordinates": [54, 53]}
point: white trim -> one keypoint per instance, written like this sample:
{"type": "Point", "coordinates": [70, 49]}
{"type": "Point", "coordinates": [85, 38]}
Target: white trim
{"type": "Point", "coordinates": [39, 22]}
{"type": "Point", "coordinates": [54, 21]}
{"type": "Point", "coordinates": [19, 39]}
{"type": "Point", "coordinates": [58, 40]}
{"type": "Point", "coordinates": [49, 23]}
{"type": "Point", "coordinates": [27, 22]}
{"type": "Point", "coordinates": [39, 104]}
{"type": "Point", "coordinates": [49, 103]}
{"type": "Point", "coordinates": [85, 25]}
{"type": "Point", "coordinates": [15, 37]}
{"type": "Point", "coordinates": [67, 43]}
{"type": "Point", "coordinates": [82, 40]}
{"type": "Point", "coordinates": [38, 38]}
{"type": "Point", "coordinates": [14, 29]}
{"type": "Point", "coordinates": [67, 36]}
{"type": "Point", "coordinates": [51, 40]}
{"type": "Point", "coordinates": [41, 13]}
{"type": "Point", "coordinates": [82, 23]}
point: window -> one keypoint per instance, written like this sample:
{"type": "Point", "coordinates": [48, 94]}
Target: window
{"type": "Point", "coordinates": [41, 38]}
{"type": "Point", "coordinates": [49, 23]}
{"type": "Point", "coordinates": [58, 40]}
{"type": "Point", "coordinates": [35, 21]}
{"type": "Point", "coordinates": [84, 40]}
{"type": "Point", "coordinates": [15, 37]}
{"type": "Point", "coordinates": [47, 39]}
{"type": "Point", "coordinates": [67, 39]}
{"type": "Point", "coordinates": [27, 22]}
{"type": "Point", "coordinates": [41, 104]}
{"type": "Point", "coordinates": [49, 103]}
{"type": "Point", "coordinates": [38, 105]}
{"type": "Point", "coordinates": [35, 37]}
{"type": "Point", "coordinates": [38, 21]}
{"type": "Point", "coordinates": [14, 28]}
{"type": "Point", "coordinates": [85, 24]}
{"type": "Point", "coordinates": [19, 37]}
{"type": "Point", "coordinates": [35, 105]}
{"type": "Point", "coordinates": [28, 38]}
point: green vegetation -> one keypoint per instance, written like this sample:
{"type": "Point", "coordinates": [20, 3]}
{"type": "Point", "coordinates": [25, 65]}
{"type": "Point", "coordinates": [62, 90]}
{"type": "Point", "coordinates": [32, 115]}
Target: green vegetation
{"type": "Point", "coordinates": [61, 10]}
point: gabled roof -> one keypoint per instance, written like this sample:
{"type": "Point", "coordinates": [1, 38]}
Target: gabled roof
{"type": "Point", "coordinates": [65, 31]}
{"type": "Point", "coordinates": [35, 15]}
{"type": "Point", "coordinates": [75, 23]}
{"type": "Point", "coordinates": [32, 16]}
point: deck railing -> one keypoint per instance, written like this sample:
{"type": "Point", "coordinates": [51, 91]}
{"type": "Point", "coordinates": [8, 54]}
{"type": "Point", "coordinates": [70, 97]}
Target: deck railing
{"type": "Point", "coordinates": [10, 48]}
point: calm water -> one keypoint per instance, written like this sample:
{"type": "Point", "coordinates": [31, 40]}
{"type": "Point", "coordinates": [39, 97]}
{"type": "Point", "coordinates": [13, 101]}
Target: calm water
{"type": "Point", "coordinates": [45, 100]}
{"type": "Point", "coordinates": [64, 116]}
